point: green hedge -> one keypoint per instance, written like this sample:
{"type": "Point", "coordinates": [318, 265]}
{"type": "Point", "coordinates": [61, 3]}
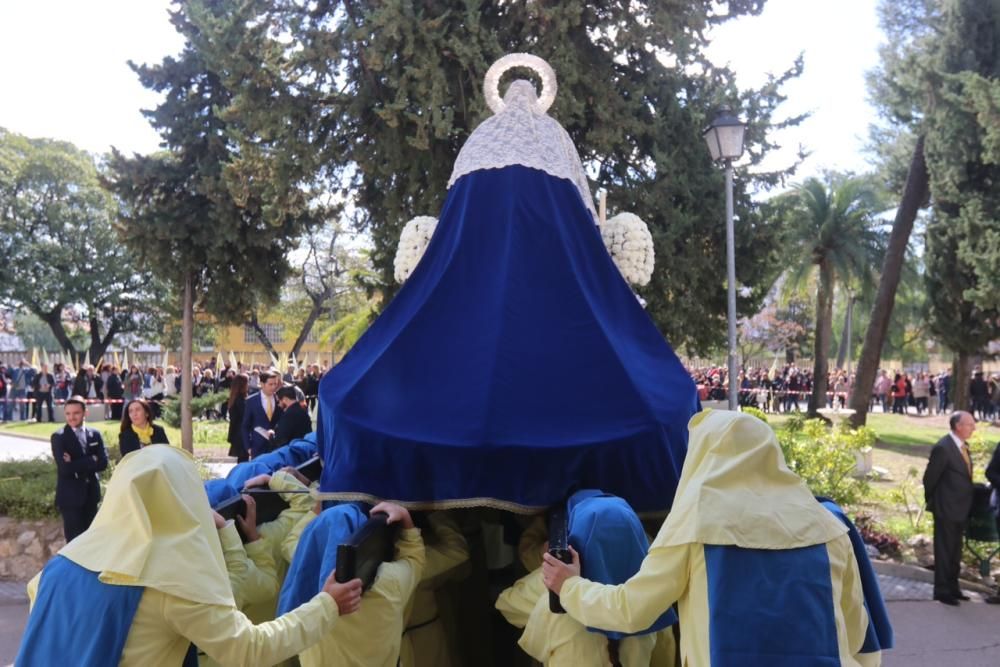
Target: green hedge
{"type": "Point", "coordinates": [28, 489]}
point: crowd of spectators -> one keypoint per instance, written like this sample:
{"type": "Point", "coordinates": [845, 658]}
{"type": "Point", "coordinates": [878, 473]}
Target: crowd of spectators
{"type": "Point", "coordinates": [28, 392]}
{"type": "Point", "coordinates": [787, 389]}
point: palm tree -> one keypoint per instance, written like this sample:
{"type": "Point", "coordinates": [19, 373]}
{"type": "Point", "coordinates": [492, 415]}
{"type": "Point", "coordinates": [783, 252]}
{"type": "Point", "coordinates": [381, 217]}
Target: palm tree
{"type": "Point", "coordinates": [832, 232]}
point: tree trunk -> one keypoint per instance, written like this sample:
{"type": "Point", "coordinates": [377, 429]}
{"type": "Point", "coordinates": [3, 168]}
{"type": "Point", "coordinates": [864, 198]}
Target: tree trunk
{"type": "Point", "coordinates": [961, 376]}
{"type": "Point", "coordinates": [187, 342]}
{"type": "Point", "coordinates": [914, 197]}
{"type": "Point", "coordinates": [99, 345]}
{"type": "Point", "coordinates": [53, 318]}
{"type": "Point", "coordinates": [844, 352]}
{"type": "Point", "coordinates": [317, 309]}
{"type": "Point", "coordinates": [261, 336]}
{"type": "Point", "coordinates": [824, 332]}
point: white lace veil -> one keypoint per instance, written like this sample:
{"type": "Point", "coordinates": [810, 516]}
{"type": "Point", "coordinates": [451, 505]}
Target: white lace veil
{"type": "Point", "coordinates": [521, 132]}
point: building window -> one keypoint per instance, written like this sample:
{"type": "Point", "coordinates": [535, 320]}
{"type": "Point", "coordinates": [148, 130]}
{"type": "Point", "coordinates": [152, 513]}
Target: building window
{"type": "Point", "coordinates": [274, 332]}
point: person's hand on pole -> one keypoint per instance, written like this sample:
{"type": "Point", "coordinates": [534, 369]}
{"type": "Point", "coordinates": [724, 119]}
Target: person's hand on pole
{"type": "Point", "coordinates": [555, 572]}
{"type": "Point", "coordinates": [248, 524]}
{"type": "Point", "coordinates": [347, 595]}
{"type": "Point", "coordinates": [397, 513]}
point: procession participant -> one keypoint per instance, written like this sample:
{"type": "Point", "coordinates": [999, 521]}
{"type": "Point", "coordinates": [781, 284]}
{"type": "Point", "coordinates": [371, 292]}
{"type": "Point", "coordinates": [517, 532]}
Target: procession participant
{"type": "Point", "coordinates": [251, 568]}
{"type": "Point", "coordinates": [610, 537]}
{"type": "Point", "coordinates": [534, 544]}
{"type": "Point", "coordinates": [275, 535]}
{"type": "Point", "coordinates": [137, 428]}
{"type": "Point", "coordinates": [372, 638]}
{"type": "Point", "coordinates": [760, 570]}
{"type": "Point", "coordinates": [879, 635]}
{"type": "Point", "coordinates": [425, 638]}
{"type": "Point", "coordinates": [149, 579]}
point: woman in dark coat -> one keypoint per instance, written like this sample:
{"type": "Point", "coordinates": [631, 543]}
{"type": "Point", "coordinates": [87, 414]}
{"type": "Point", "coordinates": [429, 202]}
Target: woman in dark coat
{"type": "Point", "coordinates": [138, 429]}
{"type": "Point", "coordinates": [236, 406]}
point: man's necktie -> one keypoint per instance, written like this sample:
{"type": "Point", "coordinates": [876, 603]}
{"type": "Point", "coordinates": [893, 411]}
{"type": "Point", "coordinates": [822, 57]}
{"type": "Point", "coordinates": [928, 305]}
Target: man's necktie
{"type": "Point", "coordinates": [268, 408]}
{"type": "Point", "coordinates": [967, 457]}
{"type": "Point", "coordinates": [81, 436]}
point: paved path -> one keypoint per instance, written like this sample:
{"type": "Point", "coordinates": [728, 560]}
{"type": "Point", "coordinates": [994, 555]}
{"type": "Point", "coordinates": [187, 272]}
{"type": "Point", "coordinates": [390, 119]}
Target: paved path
{"type": "Point", "coordinates": [928, 634]}
{"type": "Point", "coordinates": [14, 448]}
{"type": "Point", "coordinates": [20, 449]}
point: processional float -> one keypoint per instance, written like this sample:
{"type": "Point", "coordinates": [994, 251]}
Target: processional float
{"type": "Point", "coordinates": [515, 364]}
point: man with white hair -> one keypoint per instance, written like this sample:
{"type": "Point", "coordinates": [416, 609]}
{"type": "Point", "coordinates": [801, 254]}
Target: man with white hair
{"type": "Point", "coordinates": [948, 491]}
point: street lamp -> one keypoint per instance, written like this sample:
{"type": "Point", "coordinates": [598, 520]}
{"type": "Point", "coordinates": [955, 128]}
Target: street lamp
{"type": "Point", "coordinates": [725, 142]}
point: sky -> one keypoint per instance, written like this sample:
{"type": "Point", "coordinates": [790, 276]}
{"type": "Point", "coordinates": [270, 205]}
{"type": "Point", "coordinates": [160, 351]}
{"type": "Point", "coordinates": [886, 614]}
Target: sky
{"type": "Point", "coordinates": [64, 72]}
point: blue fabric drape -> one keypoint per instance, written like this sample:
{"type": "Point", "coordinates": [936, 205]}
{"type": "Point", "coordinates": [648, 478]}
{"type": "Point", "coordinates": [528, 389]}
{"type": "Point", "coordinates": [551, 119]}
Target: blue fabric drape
{"type": "Point", "coordinates": [879, 635]}
{"type": "Point", "coordinates": [292, 454]}
{"type": "Point", "coordinates": [514, 365]}
{"type": "Point", "coordinates": [770, 608]}
{"type": "Point", "coordinates": [316, 555]}
{"type": "Point", "coordinates": [76, 619]}
{"type": "Point", "coordinates": [218, 490]}
{"type": "Point", "coordinates": [300, 451]}
{"type": "Point", "coordinates": [612, 544]}
{"type": "Point", "coordinates": [241, 472]}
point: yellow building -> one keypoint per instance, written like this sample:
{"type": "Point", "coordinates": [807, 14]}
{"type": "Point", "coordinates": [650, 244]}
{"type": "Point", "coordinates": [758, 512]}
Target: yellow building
{"type": "Point", "coordinates": [244, 343]}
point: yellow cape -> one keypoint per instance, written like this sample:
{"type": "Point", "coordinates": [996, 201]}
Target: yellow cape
{"type": "Point", "coordinates": [735, 489]}
{"type": "Point", "coordinates": [155, 529]}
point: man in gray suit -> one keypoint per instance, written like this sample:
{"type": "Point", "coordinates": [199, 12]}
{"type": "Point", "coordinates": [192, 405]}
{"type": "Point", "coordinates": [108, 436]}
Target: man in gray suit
{"type": "Point", "coordinates": [948, 491]}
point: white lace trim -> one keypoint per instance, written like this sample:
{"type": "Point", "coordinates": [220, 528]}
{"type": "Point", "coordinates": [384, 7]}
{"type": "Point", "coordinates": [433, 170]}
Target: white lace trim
{"type": "Point", "coordinates": [522, 134]}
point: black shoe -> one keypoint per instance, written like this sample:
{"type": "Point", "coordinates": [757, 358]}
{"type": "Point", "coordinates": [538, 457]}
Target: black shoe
{"type": "Point", "coordinates": [947, 599]}
{"type": "Point", "coordinates": [993, 599]}
{"type": "Point", "coordinates": [962, 596]}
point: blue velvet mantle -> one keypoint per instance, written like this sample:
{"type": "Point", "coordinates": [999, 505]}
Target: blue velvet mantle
{"type": "Point", "coordinates": [514, 366]}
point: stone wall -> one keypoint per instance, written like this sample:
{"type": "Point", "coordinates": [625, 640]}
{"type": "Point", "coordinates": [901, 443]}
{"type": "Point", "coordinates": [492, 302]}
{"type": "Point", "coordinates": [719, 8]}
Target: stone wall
{"type": "Point", "coordinates": [25, 546]}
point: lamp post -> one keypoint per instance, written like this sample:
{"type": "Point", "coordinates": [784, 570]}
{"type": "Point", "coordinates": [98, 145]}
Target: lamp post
{"type": "Point", "coordinates": [725, 142]}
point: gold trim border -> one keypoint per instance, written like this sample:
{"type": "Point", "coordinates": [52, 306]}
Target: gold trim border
{"type": "Point", "coordinates": [427, 505]}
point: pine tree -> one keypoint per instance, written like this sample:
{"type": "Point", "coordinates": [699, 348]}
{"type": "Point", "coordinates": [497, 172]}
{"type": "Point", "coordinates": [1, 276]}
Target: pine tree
{"type": "Point", "coordinates": [378, 98]}
{"type": "Point", "coordinates": [934, 46]}
{"type": "Point", "coordinates": [963, 185]}
{"type": "Point", "coordinates": [218, 240]}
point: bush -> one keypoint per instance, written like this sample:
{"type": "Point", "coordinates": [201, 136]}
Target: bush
{"type": "Point", "coordinates": [759, 414]}
{"type": "Point", "coordinates": [825, 458]}
{"type": "Point", "coordinates": [199, 408]}
{"type": "Point", "coordinates": [28, 489]}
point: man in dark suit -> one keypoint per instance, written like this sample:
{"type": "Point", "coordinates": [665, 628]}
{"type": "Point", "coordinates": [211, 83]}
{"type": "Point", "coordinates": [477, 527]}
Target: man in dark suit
{"type": "Point", "coordinates": [948, 491]}
{"type": "Point", "coordinates": [261, 416]}
{"type": "Point", "coordinates": [79, 455]}
{"type": "Point", "coordinates": [294, 422]}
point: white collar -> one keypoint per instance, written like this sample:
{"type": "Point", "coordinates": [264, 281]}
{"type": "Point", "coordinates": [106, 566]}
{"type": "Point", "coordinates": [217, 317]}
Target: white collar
{"type": "Point", "coordinates": [957, 440]}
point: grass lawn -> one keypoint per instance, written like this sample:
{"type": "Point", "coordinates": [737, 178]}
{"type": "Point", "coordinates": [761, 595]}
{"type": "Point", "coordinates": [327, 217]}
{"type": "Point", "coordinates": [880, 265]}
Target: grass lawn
{"type": "Point", "coordinates": [910, 434]}
{"type": "Point", "coordinates": [209, 436]}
